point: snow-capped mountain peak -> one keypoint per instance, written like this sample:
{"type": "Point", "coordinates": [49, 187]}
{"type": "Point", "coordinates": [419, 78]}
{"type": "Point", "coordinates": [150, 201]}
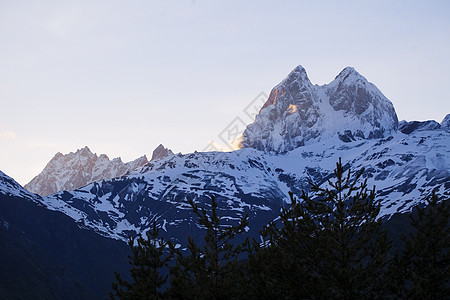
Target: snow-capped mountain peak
{"type": "Point", "coordinates": [76, 169]}
{"type": "Point", "coordinates": [161, 152]}
{"type": "Point", "coordinates": [445, 124]}
{"type": "Point", "coordinates": [299, 113]}
{"type": "Point", "coordinates": [84, 151]}
{"type": "Point", "coordinates": [298, 74]}
{"type": "Point", "coordinates": [349, 75]}
{"type": "Point", "coordinates": [296, 85]}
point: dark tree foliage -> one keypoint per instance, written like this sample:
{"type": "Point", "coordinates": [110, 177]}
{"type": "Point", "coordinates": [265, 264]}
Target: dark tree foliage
{"type": "Point", "coordinates": [149, 257]}
{"type": "Point", "coordinates": [422, 268]}
{"type": "Point", "coordinates": [353, 247]}
{"type": "Point", "coordinates": [329, 246]}
{"type": "Point", "coordinates": [278, 263]}
{"type": "Point", "coordinates": [261, 268]}
{"type": "Point", "coordinates": [211, 271]}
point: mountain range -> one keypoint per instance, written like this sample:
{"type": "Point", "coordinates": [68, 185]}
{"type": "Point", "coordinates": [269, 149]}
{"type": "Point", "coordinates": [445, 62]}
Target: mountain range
{"type": "Point", "coordinates": [297, 137]}
{"type": "Point", "coordinates": [77, 169]}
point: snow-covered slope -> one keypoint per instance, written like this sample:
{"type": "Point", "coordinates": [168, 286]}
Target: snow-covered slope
{"type": "Point", "coordinates": [404, 169]}
{"type": "Point", "coordinates": [298, 113]}
{"type": "Point", "coordinates": [10, 187]}
{"type": "Point", "coordinates": [76, 169]}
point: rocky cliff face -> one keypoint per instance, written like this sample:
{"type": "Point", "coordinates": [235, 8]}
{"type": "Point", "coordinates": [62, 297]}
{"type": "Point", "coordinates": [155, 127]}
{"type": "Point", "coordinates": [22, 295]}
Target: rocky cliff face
{"type": "Point", "coordinates": [445, 124]}
{"type": "Point", "coordinates": [76, 169]}
{"type": "Point", "coordinates": [161, 152]}
{"type": "Point", "coordinates": [299, 113]}
{"type": "Point", "coordinates": [409, 127]}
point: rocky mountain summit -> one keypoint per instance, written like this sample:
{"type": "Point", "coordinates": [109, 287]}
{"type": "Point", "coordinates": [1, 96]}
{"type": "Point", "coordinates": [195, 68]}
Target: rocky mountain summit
{"type": "Point", "coordinates": [445, 124]}
{"type": "Point", "coordinates": [161, 152]}
{"type": "Point", "coordinates": [76, 169]}
{"type": "Point", "coordinates": [409, 127]}
{"type": "Point", "coordinates": [298, 113]}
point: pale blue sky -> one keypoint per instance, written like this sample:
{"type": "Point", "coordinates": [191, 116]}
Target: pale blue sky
{"type": "Point", "coordinates": [124, 76]}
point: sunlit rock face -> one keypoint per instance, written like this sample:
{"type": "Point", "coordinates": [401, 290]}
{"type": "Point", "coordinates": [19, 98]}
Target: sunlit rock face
{"type": "Point", "coordinates": [362, 101]}
{"type": "Point", "coordinates": [299, 113]}
{"type": "Point", "coordinates": [76, 169]}
{"type": "Point", "coordinates": [161, 152]}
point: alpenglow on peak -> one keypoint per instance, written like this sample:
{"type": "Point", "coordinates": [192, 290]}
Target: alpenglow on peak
{"type": "Point", "coordinates": [76, 169]}
{"type": "Point", "coordinates": [298, 112]}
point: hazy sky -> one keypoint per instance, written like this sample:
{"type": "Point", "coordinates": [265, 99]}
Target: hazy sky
{"type": "Point", "coordinates": [124, 76]}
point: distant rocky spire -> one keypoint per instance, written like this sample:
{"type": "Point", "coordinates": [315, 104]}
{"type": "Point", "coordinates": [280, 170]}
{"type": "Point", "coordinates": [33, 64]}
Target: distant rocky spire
{"type": "Point", "coordinates": [161, 152]}
{"type": "Point", "coordinates": [77, 169]}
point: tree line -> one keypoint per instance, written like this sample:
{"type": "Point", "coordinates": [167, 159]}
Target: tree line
{"type": "Point", "coordinates": [330, 246]}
